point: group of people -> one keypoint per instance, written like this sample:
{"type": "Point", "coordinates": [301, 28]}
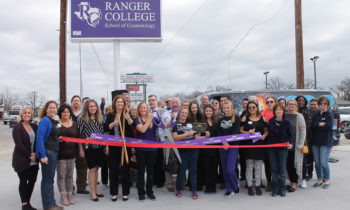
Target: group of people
{"type": "Point", "coordinates": [290, 122]}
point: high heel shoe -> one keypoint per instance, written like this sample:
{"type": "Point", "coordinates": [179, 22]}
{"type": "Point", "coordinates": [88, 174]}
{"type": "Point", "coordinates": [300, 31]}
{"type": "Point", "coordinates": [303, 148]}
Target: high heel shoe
{"type": "Point", "coordinates": [114, 198]}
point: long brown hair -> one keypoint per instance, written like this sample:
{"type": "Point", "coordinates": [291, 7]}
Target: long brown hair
{"type": "Point", "coordinates": [85, 115]}
{"type": "Point", "coordinates": [229, 103]}
{"type": "Point", "coordinates": [213, 118]}
{"type": "Point", "coordinates": [147, 113]}
{"type": "Point", "coordinates": [43, 112]}
{"type": "Point", "coordinates": [115, 102]}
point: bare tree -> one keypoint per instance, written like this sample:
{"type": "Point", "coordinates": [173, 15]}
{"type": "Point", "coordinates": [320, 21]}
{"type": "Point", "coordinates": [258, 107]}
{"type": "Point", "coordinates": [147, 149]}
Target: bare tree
{"type": "Point", "coordinates": [10, 99]}
{"type": "Point", "coordinates": [344, 89]}
{"type": "Point", "coordinates": [309, 83]}
{"type": "Point", "coordinates": [276, 83]}
{"type": "Point", "coordinates": [35, 101]}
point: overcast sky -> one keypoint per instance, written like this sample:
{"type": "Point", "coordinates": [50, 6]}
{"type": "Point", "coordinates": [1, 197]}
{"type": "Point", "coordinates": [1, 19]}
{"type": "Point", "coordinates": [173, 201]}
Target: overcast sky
{"type": "Point", "coordinates": [194, 59]}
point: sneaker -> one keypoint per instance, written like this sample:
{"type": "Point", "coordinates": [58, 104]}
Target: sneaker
{"type": "Point", "coordinates": [325, 186]}
{"type": "Point", "coordinates": [194, 195]}
{"type": "Point", "coordinates": [228, 194]}
{"type": "Point", "coordinates": [303, 184]}
{"type": "Point", "coordinates": [178, 194]}
{"type": "Point", "coordinates": [318, 184]}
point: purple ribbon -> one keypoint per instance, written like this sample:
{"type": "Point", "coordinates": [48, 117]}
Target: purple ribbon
{"type": "Point", "coordinates": [173, 123]}
{"type": "Point", "coordinates": [211, 140]}
{"type": "Point", "coordinates": [161, 124]}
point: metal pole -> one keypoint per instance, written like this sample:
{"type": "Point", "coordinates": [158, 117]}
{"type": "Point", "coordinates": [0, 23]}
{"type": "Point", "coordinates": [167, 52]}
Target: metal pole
{"type": "Point", "coordinates": [62, 52]}
{"type": "Point", "coordinates": [266, 81]}
{"type": "Point", "coordinates": [116, 64]}
{"type": "Point", "coordinates": [315, 73]}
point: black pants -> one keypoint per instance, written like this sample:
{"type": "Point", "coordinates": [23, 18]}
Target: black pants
{"type": "Point", "coordinates": [210, 164]}
{"type": "Point", "coordinates": [104, 172]}
{"type": "Point", "coordinates": [115, 168]}
{"type": "Point", "coordinates": [27, 179]}
{"type": "Point", "coordinates": [81, 170]}
{"type": "Point", "coordinates": [242, 162]}
{"type": "Point", "coordinates": [267, 167]}
{"type": "Point", "coordinates": [200, 168]}
{"type": "Point", "coordinates": [291, 170]}
{"type": "Point", "coordinates": [159, 172]}
{"type": "Point", "coordinates": [145, 162]}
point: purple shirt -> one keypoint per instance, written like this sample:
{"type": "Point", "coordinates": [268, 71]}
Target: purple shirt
{"type": "Point", "coordinates": [150, 134]}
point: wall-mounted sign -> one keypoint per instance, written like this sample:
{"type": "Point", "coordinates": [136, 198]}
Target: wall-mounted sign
{"type": "Point", "coordinates": [109, 20]}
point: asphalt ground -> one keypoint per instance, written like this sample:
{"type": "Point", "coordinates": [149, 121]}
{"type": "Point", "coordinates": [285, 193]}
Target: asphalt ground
{"type": "Point", "coordinates": [336, 197]}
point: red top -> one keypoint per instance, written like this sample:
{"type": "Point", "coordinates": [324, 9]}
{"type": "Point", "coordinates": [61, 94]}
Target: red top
{"type": "Point", "coordinates": [267, 114]}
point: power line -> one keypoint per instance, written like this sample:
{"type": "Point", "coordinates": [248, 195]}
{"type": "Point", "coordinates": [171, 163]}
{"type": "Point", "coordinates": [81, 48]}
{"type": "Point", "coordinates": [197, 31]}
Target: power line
{"type": "Point", "coordinates": [100, 62]}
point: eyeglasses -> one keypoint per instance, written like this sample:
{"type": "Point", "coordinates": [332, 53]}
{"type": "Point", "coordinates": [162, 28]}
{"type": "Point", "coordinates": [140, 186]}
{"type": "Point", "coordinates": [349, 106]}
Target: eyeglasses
{"type": "Point", "coordinates": [167, 101]}
{"type": "Point", "coordinates": [323, 103]}
{"type": "Point", "coordinates": [251, 107]}
{"type": "Point", "coordinates": [269, 102]}
{"type": "Point", "coordinates": [291, 104]}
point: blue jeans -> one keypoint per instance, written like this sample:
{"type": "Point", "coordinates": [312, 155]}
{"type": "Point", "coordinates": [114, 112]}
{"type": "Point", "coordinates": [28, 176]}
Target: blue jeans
{"type": "Point", "coordinates": [48, 175]}
{"type": "Point", "coordinates": [189, 159]}
{"type": "Point", "coordinates": [228, 163]}
{"type": "Point", "coordinates": [278, 164]}
{"type": "Point", "coordinates": [321, 155]}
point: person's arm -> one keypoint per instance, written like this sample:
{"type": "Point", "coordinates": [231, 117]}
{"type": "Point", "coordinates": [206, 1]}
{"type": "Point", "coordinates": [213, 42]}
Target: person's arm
{"type": "Point", "coordinates": [142, 128]}
{"type": "Point", "coordinates": [266, 130]}
{"type": "Point", "coordinates": [302, 131]}
{"type": "Point", "coordinates": [328, 126]}
{"type": "Point", "coordinates": [180, 137]}
{"type": "Point", "coordinates": [241, 130]}
{"type": "Point", "coordinates": [42, 129]}
{"type": "Point", "coordinates": [16, 134]}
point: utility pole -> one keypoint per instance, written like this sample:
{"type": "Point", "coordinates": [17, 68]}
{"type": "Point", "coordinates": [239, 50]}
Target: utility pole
{"type": "Point", "coordinates": [62, 59]}
{"type": "Point", "coordinates": [314, 59]}
{"type": "Point", "coordinates": [299, 45]}
{"type": "Point", "coordinates": [266, 73]}
{"type": "Point", "coordinates": [34, 108]}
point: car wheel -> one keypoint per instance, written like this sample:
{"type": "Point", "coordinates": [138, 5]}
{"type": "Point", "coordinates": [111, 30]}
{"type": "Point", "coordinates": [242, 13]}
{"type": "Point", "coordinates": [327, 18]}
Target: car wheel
{"type": "Point", "coordinates": [343, 125]}
{"type": "Point", "coordinates": [5, 123]}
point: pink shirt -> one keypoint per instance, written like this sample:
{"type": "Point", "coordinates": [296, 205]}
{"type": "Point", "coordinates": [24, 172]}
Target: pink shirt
{"type": "Point", "coordinates": [267, 114]}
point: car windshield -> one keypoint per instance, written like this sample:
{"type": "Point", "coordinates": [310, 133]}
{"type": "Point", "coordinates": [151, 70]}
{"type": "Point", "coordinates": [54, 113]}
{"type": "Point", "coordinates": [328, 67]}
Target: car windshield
{"type": "Point", "coordinates": [14, 113]}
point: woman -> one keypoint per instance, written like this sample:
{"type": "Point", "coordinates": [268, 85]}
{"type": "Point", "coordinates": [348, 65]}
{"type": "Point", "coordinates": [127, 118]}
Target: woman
{"type": "Point", "coordinates": [47, 149]}
{"type": "Point", "coordinates": [112, 125]}
{"type": "Point", "coordinates": [322, 141]}
{"type": "Point", "coordinates": [210, 157]}
{"type": "Point", "coordinates": [216, 105]}
{"type": "Point", "coordinates": [90, 121]}
{"type": "Point", "coordinates": [295, 154]}
{"type": "Point", "coordinates": [282, 102]}
{"type": "Point", "coordinates": [108, 109]}
{"type": "Point", "coordinates": [146, 157]}
{"type": "Point", "coordinates": [24, 159]}
{"type": "Point", "coordinates": [302, 109]}
{"type": "Point", "coordinates": [229, 125]}
{"type": "Point", "coordinates": [195, 114]}
{"type": "Point", "coordinates": [67, 154]}
{"type": "Point", "coordinates": [182, 131]}
{"type": "Point", "coordinates": [253, 122]}
{"type": "Point", "coordinates": [279, 132]}
{"type": "Point", "coordinates": [268, 114]}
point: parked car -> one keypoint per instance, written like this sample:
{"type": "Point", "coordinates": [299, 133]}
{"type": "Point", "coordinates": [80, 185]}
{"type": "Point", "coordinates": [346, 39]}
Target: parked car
{"type": "Point", "coordinates": [344, 117]}
{"type": "Point", "coordinates": [14, 118]}
{"type": "Point", "coordinates": [237, 96]}
{"type": "Point", "coordinates": [347, 131]}
{"type": "Point", "coordinates": [5, 118]}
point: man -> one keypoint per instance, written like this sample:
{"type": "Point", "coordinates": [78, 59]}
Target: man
{"type": "Point", "coordinates": [126, 98]}
{"type": "Point", "coordinates": [244, 107]}
{"type": "Point", "coordinates": [185, 103]}
{"type": "Point", "coordinates": [102, 105]}
{"type": "Point", "coordinates": [161, 104]}
{"type": "Point", "coordinates": [313, 106]}
{"type": "Point", "coordinates": [204, 101]}
{"type": "Point", "coordinates": [80, 161]}
{"type": "Point", "coordinates": [168, 103]}
{"type": "Point", "coordinates": [159, 176]}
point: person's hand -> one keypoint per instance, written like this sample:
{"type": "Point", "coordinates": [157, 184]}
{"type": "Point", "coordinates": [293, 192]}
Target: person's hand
{"type": "Point", "coordinates": [81, 153]}
{"type": "Point", "coordinates": [290, 146]}
{"type": "Point", "coordinates": [127, 116]}
{"type": "Point", "coordinates": [60, 139]}
{"type": "Point", "coordinates": [207, 134]}
{"type": "Point", "coordinates": [44, 160]}
{"type": "Point", "coordinates": [106, 150]}
{"type": "Point", "coordinates": [226, 144]}
{"type": "Point", "coordinates": [32, 157]}
{"type": "Point", "coordinates": [251, 131]}
{"type": "Point", "coordinates": [173, 115]}
{"type": "Point", "coordinates": [150, 117]}
{"type": "Point", "coordinates": [190, 133]}
{"type": "Point", "coordinates": [322, 124]}
{"type": "Point", "coordinates": [133, 151]}
{"type": "Point", "coordinates": [197, 136]}
{"type": "Point", "coordinates": [263, 137]}
{"type": "Point", "coordinates": [300, 148]}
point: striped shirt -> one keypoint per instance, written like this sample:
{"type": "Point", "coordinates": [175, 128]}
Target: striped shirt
{"type": "Point", "coordinates": [86, 129]}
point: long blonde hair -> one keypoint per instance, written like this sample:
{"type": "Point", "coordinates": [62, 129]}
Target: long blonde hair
{"type": "Point", "coordinates": [22, 112]}
{"type": "Point", "coordinates": [229, 103]}
{"type": "Point", "coordinates": [85, 115]}
{"type": "Point", "coordinates": [147, 113]}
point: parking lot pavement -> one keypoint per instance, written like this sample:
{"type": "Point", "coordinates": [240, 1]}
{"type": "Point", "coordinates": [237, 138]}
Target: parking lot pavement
{"type": "Point", "coordinates": [336, 197]}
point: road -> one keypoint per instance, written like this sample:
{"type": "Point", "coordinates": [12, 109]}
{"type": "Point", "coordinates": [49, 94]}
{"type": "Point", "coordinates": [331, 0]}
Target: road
{"type": "Point", "coordinates": [334, 198]}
